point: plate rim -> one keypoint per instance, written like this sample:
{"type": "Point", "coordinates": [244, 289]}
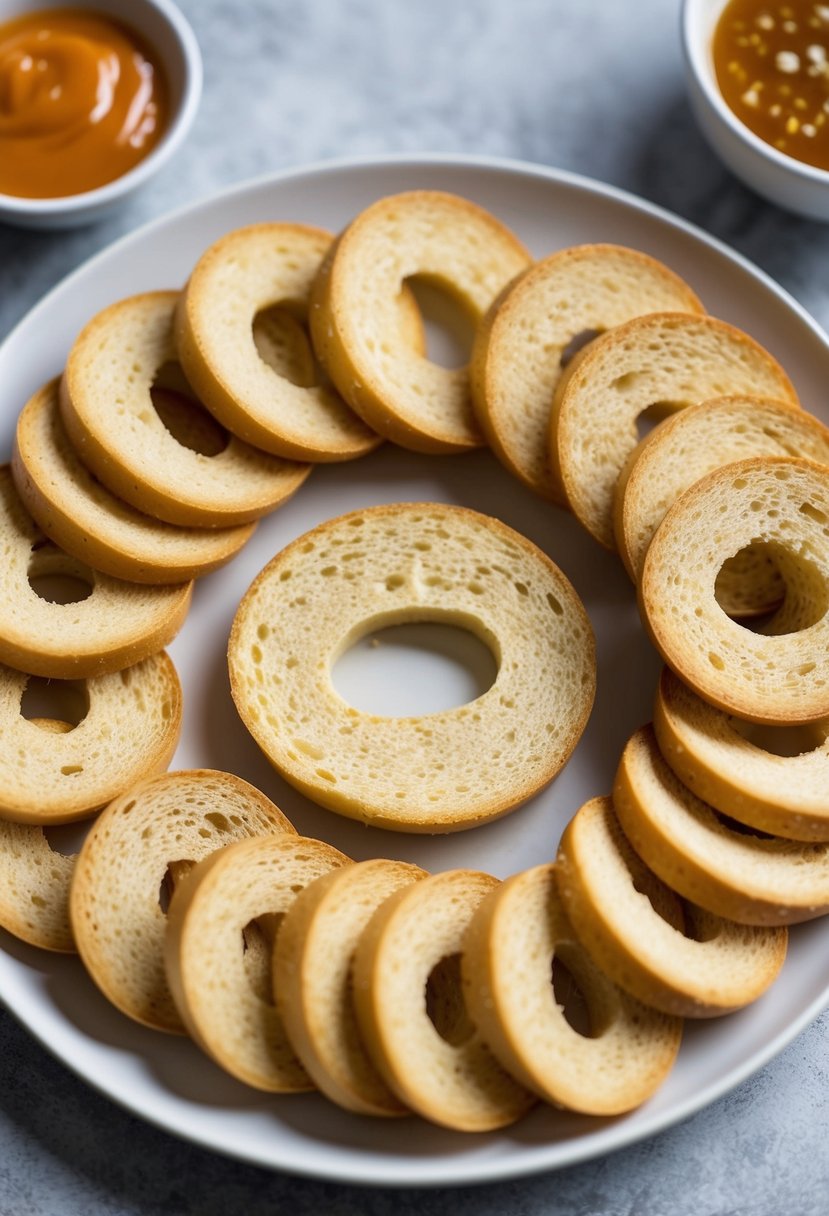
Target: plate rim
{"type": "Point", "coordinates": [534, 1159]}
{"type": "Point", "coordinates": [510, 165]}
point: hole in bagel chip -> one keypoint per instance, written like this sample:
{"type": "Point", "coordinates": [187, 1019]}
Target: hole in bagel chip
{"type": "Point", "coordinates": [66, 838]}
{"type": "Point", "coordinates": [449, 326]}
{"type": "Point", "coordinates": [750, 585]}
{"type": "Point", "coordinates": [805, 598]}
{"type": "Point", "coordinates": [701, 926]}
{"type": "Point", "coordinates": [173, 875]}
{"type": "Point", "coordinates": [183, 415]}
{"type": "Point", "coordinates": [657, 894]}
{"type": "Point", "coordinates": [577, 343]}
{"type": "Point", "coordinates": [797, 740]}
{"type": "Point", "coordinates": [413, 668]}
{"type": "Point", "coordinates": [740, 829]}
{"type": "Point", "coordinates": [569, 995]}
{"type": "Point", "coordinates": [650, 417]}
{"type": "Point", "coordinates": [445, 1006]}
{"type": "Point", "coordinates": [258, 938]}
{"type": "Point", "coordinates": [281, 339]}
{"type": "Point", "coordinates": [57, 706]}
{"type": "Point", "coordinates": [57, 577]}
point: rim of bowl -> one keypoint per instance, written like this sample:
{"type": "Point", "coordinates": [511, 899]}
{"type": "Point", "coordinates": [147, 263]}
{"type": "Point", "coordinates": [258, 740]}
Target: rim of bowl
{"type": "Point", "coordinates": [182, 120]}
{"type": "Point", "coordinates": [695, 49]}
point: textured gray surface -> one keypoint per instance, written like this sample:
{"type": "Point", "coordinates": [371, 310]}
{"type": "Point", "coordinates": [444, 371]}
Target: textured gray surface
{"type": "Point", "coordinates": [571, 85]}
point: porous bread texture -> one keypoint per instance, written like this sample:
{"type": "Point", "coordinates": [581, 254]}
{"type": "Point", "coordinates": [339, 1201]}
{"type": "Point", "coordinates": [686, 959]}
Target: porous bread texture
{"type": "Point", "coordinates": [244, 273]}
{"type": "Point", "coordinates": [118, 434]}
{"type": "Point", "coordinates": [746, 878]}
{"type": "Point", "coordinates": [634, 928]}
{"type": "Point", "coordinates": [116, 625]}
{"type": "Point", "coordinates": [685, 447]}
{"type": "Point", "coordinates": [665, 360]}
{"type": "Point", "coordinates": [783, 794]}
{"type": "Point", "coordinates": [508, 954]}
{"type": "Point", "coordinates": [778, 673]}
{"type": "Point", "coordinates": [520, 346]}
{"type": "Point", "coordinates": [129, 732]}
{"type": "Point", "coordinates": [413, 562]}
{"type": "Point", "coordinates": [428, 1051]}
{"type": "Point", "coordinates": [312, 971]}
{"type": "Point", "coordinates": [34, 880]}
{"type": "Point", "coordinates": [145, 838]}
{"type": "Point", "coordinates": [437, 237]}
{"type": "Point", "coordinates": [223, 988]}
{"type": "Point", "coordinates": [80, 514]}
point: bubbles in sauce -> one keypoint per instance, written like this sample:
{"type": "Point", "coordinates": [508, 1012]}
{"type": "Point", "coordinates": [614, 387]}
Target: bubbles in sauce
{"type": "Point", "coordinates": [772, 66]}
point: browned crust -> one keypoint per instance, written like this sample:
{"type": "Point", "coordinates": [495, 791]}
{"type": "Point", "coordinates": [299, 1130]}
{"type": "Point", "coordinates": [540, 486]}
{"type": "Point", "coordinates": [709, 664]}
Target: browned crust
{"type": "Point", "coordinates": [193, 344]}
{"type": "Point", "coordinates": [491, 940]}
{"type": "Point", "coordinates": [486, 357]}
{"type": "Point", "coordinates": [375, 961]}
{"type": "Point", "coordinates": [211, 548]}
{"type": "Point", "coordinates": [298, 949]}
{"type": "Point", "coordinates": [565, 423]}
{"type": "Point", "coordinates": [689, 517]}
{"type": "Point", "coordinates": [330, 327]}
{"type": "Point", "coordinates": [115, 468]}
{"type": "Point", "coordinates": [614, 946]}
{"type": "Point", "coordinates": [702, 883]}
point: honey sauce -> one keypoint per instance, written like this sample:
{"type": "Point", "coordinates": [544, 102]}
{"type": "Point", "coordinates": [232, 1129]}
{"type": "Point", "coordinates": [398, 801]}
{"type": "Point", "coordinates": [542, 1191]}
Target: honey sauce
{"type": "Point", "coordinates": [772, 67]}
{"type": "Point", "coordinates": [82, 101]}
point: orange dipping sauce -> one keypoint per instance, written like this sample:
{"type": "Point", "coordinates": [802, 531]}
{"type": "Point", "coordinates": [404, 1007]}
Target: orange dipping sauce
{"type": "Point", "coordinates": [82, 101]}
{"type": "Point", "coordinates": [771, 58]}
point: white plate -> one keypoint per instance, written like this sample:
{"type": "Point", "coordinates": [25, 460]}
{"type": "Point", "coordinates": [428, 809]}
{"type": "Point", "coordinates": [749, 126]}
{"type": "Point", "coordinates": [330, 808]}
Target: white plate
{"type": "Point", "coordinates": [167, 1080]}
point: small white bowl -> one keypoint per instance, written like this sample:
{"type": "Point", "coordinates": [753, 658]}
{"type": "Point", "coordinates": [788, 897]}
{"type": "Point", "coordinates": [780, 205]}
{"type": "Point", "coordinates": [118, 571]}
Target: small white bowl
{"type": "Point", "coordinates": [790, 183]}
{"type": "Point", "coordinates": [163, 28]}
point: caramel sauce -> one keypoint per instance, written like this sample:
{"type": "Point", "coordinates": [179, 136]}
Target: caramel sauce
{"type": "Point", "coordinates": [772, 67]}
{"type": "Point", "coordinates": [82, 101]}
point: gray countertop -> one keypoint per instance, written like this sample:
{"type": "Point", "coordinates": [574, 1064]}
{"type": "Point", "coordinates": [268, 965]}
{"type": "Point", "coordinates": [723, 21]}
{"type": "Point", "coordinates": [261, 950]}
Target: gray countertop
{"type": "Point", "coordinates": [578, 86]}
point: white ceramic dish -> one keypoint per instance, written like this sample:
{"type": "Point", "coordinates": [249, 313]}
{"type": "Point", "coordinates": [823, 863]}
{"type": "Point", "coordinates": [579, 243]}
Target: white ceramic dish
{"type": "Point", "coordinates": [166, 30]}
{"type": "Point", "coordinates": [167, 1080]}
{"type": "Point", "coordinates": [789, 183]}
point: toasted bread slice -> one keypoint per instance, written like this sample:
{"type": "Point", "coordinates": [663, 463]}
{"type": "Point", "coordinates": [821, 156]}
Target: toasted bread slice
{"type": "Point", "coordinates": [726, 763]}
{"type": "Point", "coordinates": [440, 238]}
{"type": "Point", "coordinates": [517, 933]}
{"type": "Point", "coordinates": [779, 673]}
{"type": "Point", "coordinates": [108, 625]}
{"type": "Point", "coordinates": [440, 772]}
{"type": "Point", "coordinates": [34, 888]}
{"type": "Point", "coordinates": [35, 878]}
{"type": "Point", "coordinates": [680, 959]}
{"type": "Point", "coordinates": [244, 274]}
{"type": "Point", "coordinates": [312, 972]}
{"type": "Point", "coordinates": [690, 444]}
{"type": "Point", "coordinates": [428, 1051]}
{"type": "Point", "coordinates": [128, 731]}
{"type": "Point", "coordinates": [138, 848]}
{"type": "Point", "coordinates": [664, 360]}
{"type": "Point", "coordinates": [750, 879]}
{"type": "Point", "coordinates": [116, 430]}
{"type": "Point", "coordinates": [524, 341]}
{"type": "Point", "coordinates": [80, 514]}
{"type": "Point", "coordinates": [219, 947]}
